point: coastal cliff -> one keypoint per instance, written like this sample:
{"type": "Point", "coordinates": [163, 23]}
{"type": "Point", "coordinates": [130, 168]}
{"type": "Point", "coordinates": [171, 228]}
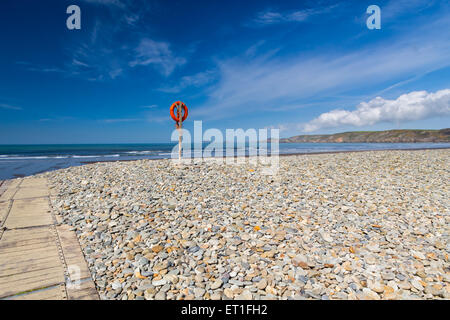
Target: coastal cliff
{"type": "Point", "coordinates": [388, 136]}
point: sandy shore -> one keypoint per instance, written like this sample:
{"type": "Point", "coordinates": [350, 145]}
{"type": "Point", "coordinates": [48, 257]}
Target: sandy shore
{"type": "Point", "coordinates": [362, 225]}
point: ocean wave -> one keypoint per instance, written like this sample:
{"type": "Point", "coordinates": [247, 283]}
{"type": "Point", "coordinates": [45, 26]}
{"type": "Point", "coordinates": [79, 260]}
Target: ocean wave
{"type": "Point", "coordinates": [143, 152]}
{"type": "Point", "coordinates": [9, 155]}
{"type": "Point", "coordinates": [32, 158]}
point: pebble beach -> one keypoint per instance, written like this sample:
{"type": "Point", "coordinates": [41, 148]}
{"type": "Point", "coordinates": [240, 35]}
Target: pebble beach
{"type": "Point", "coordinates": [357, 225]}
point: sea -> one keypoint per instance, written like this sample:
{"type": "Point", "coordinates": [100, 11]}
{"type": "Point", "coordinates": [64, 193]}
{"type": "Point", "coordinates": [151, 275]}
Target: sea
{"type": "Point", "coordinates": [25, 160]}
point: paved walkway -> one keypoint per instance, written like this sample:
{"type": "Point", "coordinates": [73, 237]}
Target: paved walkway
{"type": "Point", "coordinates": [40, 259]}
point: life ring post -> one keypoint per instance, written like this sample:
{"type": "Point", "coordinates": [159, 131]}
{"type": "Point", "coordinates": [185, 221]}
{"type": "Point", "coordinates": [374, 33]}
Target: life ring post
{"type": "Point", "coordinates": [180, 133]}
{"type": "Point", "coordinates": [179, 118]}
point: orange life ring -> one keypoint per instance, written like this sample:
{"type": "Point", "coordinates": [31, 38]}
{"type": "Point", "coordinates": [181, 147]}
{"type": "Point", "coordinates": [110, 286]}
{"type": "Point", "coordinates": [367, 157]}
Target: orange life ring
{"type": "Point", "coordinates": [178, 104]}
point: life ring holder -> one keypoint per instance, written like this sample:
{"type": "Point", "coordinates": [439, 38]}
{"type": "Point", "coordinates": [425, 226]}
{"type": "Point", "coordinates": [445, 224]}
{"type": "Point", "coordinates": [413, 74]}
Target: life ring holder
{"type": "Point", "coordinates": [178, 104]}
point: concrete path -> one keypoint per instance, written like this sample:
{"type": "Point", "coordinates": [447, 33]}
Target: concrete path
{"type": "Point", "coordinates": [40, 259]}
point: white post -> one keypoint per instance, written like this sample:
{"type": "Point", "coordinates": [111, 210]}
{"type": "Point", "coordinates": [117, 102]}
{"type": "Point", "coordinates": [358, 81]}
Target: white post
{"type": "Point", "coordinates": [180, 132]}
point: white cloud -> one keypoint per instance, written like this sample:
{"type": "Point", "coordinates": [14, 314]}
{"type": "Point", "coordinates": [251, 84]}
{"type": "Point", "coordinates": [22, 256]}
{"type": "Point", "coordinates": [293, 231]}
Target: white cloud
{"type": "Point", "coordinates": [158, 54]}
{"type": "Point", "coordinates": [412, 106]}
{"type": "Point", "coordinates": [115, 73]}
{"type": "Point", "coordinates": [116, 3]}
{"type": "Point", "coordinates": [125, 12]}
{"type": "Point", "coordinates": [99, 57]}
{"type": "Point", "coordinates": [269, 17]}
{"type": "Point", "coordinates": [38, 68]}
{"type": "Point", "coordinates": [150, 106]}
{"type": "Point", "coordinates": [395, 8]}
{"type": "Point", "coordinates": [96, 60]}
{"type": "Point", "coordinates": [59, 119]}
{"type": "Point", "coordinates": [10, 107]}
{"type": "Point", "coordinates": [196, 80]}
{"type": "Point", "coordinates": [249, 84]}
{"type": "Point", "coordinates": [79, 63]}
{"type": "Point", "coordinates": [119, 120]}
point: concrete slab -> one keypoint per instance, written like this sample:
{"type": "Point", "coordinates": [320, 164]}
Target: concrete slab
{"type": "Point", "coordinates": [4, 206]}
{"type": "Point", "coordinates": [31, 192]}
{"type": "Point", "coordinates": [31, 281]}
{"type": "Point", "coordinates": [85, 291]}
{"type": "Point", "coordinates": [35, 254]}
{"type": "Point", "coordinates": [14, 183]}
{"type": "Point", "coordinates": [15, 238]}
{"type": "Point", "coordinates": [8, 194]}
{"type": "Point", "coordinates": [82, 287]}
{"type": "Point", "coordinates": [23, 269]}
{"type": "Point", "coordinates": [34, 183]}
{"type": "Point", "coordinates": [73, 255]}
{"type": "Point", "coordinates": [29, 213]}
{"type": "Point", "coordinates": [3, 186]}
{"type": "Point", "coordinates": [53, 293]}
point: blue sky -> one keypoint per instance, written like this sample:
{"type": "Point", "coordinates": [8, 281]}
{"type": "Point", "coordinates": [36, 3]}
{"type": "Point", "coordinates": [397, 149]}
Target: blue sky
{"type": "Point", "coordinates": [301, 66]}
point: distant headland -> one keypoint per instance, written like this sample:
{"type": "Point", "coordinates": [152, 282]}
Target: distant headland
{"type": "Point", "coordinates": [388, 136]}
